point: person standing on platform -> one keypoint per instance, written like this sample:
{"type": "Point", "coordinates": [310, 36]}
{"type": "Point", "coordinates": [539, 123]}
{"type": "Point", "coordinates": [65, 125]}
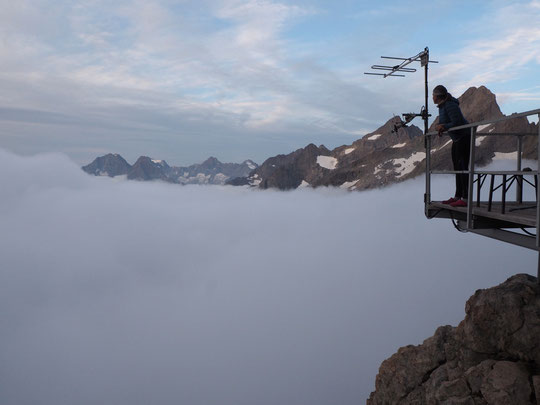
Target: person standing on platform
{"type": "Point", "coordinates": [450, 116]}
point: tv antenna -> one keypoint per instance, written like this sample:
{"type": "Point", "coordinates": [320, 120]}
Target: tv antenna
{"type": "Point", "coordinates": [393, 71]}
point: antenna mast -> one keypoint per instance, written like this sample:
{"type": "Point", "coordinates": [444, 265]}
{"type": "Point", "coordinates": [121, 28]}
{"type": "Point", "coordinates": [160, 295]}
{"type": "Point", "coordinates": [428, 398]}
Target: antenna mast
{"type": "Point", "coordinates": [393, 71]}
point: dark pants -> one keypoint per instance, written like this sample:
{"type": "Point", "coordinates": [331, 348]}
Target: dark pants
{"type": "Point", "coordinates": [461, 154]}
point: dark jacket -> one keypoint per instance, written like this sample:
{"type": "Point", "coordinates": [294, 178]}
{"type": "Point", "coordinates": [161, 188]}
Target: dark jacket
{"type": "Point", "coordinates": [450, 116]}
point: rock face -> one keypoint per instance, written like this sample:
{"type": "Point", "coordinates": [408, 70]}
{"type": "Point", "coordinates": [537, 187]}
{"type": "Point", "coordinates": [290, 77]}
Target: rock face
{"type": "Point", "coordinates": [385, 156]}
{"type": "Point", "coordinates": [211, 171]}
{"type": "Point", "coordinates": [288, 171]}
{"type": "Point", "coordinates": [491, 357]}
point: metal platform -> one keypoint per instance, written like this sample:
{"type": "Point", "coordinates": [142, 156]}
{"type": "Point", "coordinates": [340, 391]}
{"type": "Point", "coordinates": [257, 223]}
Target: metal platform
{"type": "Point", "coordinates": [511, 227]}
{"type": "Point", "coordinates": [509, 219]}
{"type": "Point", "coordinates": [515, 216]}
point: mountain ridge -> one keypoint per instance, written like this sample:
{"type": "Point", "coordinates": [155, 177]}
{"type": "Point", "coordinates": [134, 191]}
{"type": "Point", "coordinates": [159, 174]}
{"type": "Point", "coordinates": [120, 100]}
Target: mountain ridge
{"type": "Point", "coordinates": [211, 171]}
{"type": "Point", "coordinates": [382, 157]}
{"type": "Point", "coordinates": [386, 156]}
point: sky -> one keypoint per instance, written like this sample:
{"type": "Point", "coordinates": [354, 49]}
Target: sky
{"type": "Point", "coordinates": [127, 293]}
{"type": "Point", "coordinates": [185, 80]}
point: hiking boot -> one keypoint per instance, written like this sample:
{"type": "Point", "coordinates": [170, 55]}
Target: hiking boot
{"type": "Point", "coordinates": [459, 203]}
{"type": "Point", "coordinates": [450, 200]}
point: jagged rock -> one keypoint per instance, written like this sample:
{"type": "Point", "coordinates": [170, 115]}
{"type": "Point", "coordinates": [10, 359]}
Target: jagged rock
{"type": "Point", "coordinates": [491, 357]}
{"type": "Point", "coordinates": [109, 165]}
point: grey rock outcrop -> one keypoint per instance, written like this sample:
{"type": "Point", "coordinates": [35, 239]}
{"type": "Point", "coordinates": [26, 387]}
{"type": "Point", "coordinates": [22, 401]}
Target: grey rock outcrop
{"type": "Point", "coordinates": [491, 357]}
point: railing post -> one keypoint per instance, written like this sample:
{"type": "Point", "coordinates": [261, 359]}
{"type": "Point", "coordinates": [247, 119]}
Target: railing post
{"type": "Point", "coordinates": [427, 195]}
{"type": "Point", "coordinates": [538, 195]}
{"type": "Point", "coordinates": [470, 201]}
{"type": "Point", "coordinates": [503, 196]}
{"type": "Point", "coordinates": [519, 186]}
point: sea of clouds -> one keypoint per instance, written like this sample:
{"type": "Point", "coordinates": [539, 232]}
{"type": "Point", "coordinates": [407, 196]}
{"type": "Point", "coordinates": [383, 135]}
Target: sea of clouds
{"type": "Point", "coordinates": [121, 292]}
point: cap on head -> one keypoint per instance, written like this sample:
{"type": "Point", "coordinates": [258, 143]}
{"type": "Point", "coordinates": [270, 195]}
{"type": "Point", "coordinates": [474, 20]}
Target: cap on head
{"type": "Point", "coordinates": [440, 91]}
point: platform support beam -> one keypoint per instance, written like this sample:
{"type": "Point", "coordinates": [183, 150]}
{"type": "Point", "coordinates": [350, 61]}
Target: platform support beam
{"type": "Point", "coordinates": [513, 238]}
{"type": "Point", "coordinates": [538, 204]}
{"type": "Point", "coordinates": [519, 185]}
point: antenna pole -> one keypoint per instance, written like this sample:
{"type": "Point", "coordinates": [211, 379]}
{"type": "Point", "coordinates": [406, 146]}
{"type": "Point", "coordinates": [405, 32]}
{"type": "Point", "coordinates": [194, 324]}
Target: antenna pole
{"type": "Point", "coordinates": [427, 95]}
{"type": "Point", "coordinates": [393, 71]}
{"type": "Point", "coordinates": [427, 140]}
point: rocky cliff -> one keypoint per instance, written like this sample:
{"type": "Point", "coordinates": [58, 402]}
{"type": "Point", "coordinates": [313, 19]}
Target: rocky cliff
{"type": "Point", "coordinates": [491, 357]}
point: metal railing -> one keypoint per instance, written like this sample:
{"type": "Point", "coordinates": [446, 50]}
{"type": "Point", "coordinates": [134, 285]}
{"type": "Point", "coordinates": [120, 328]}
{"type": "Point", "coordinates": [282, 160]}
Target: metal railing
{"type": "Point", "coordinates": [515, 175]}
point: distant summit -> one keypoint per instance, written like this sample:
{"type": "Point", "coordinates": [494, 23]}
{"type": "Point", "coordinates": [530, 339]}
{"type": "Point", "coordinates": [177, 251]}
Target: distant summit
{"type": "Point", "coordinates": [148, 169]}
{"type": "Point", "coordinates": [211, 171]}
{"type": "Point", "coordinates": [109, 165]}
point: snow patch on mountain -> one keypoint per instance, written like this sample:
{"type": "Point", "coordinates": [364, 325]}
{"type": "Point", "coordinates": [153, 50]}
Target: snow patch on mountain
{"type": "Point", "coordinates": [446, 144]}
{"type": "Point", "coordinates": [482, 127]}
{"type": "Point", "coordinates": [378, 168]}
{"type": "Point", "coordinates": [505, 156]}
{"type": "Point", "coordinates": [479, 140]}
{"type": "Point", "coordinates": [407, 165]}
{"type": "Point", "coordinates": [255, 180]}
{"type": "Point", "coordinates": [348, 150]}
{"type": "Point", "coordinates": [328, 162]}
{"type": "Point", "coordinates": [348, 184]}
{"type": "Point", "coordinates": [373, 137]}
{"type": "Point", "coordinates": [399, 145]}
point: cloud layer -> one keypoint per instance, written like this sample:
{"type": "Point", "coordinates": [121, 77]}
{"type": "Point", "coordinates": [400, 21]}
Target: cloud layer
{"type": "Point", "coordinates": [136, 293]}
{"type": "Point", "coordinates": [239, 79]}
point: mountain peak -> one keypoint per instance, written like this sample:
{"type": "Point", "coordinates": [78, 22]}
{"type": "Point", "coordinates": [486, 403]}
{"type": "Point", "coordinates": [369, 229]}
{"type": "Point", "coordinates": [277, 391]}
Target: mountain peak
{"type": "Point", "coordinates": [211, 163]}
{"type": "Point", "coordinates": [108, 165]}
{"type": "Point", "coordinates": [146, 168]}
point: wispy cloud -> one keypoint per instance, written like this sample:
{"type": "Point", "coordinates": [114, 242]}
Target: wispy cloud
{"type": "Point", "coordinates": [508, 44]}
{"type": "Point", "coordinates": [230, 60]}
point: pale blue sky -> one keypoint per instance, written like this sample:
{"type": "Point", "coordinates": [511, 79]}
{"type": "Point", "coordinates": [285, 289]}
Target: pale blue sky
{"type": "Point", "coordinates": [183, 80]}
